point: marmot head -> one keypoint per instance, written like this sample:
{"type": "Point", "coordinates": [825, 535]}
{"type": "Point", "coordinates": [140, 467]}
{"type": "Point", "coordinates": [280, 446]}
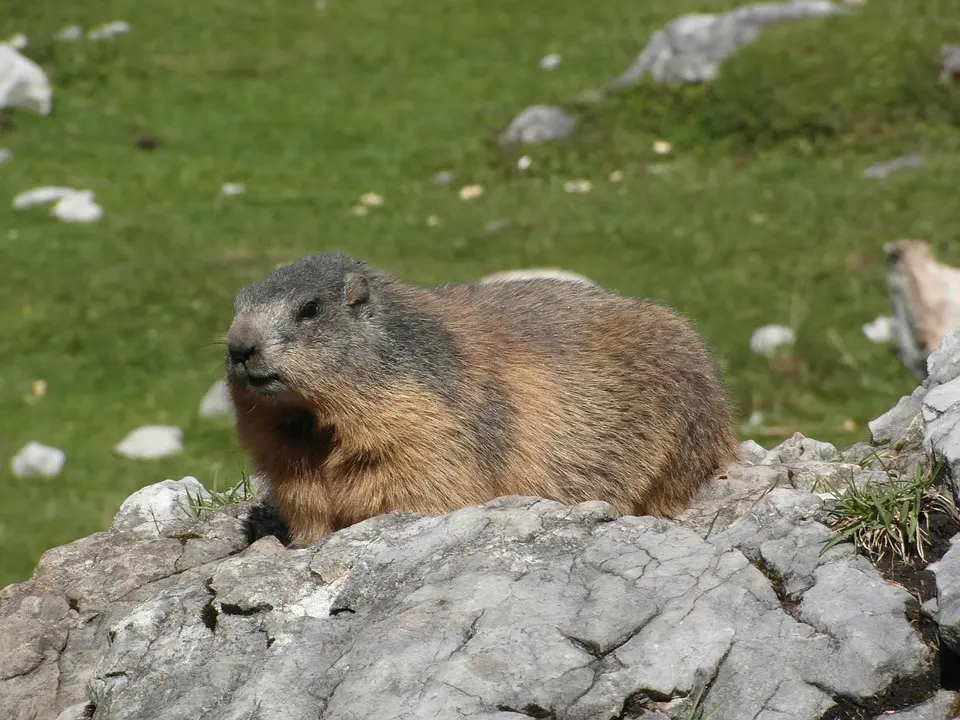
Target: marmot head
{"type": "Point", "coordinates": [306, 333]}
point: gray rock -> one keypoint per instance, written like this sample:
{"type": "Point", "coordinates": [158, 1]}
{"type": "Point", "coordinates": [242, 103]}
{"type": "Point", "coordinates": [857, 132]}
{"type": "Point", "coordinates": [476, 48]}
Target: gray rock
{"type": "Point", "coordinates": [538, 124]}
{"type": "Point", "coordinates": [152, 509]}
{"type": "Point", "coordinates": [943, 706]}
{"type": "Point", "coordinates": [901, 421]}
{"type": "Point", "coordinates": [217, 401]}
{"type": "Point", "coordinates": [950, 64]}
{"type": "Point", "coordinates": [798, 448]}
{"type": "Point", "coordinates": [883, 170]}
{"type": "Point", "coordinates": [691, 48]}
{"type": "Point", "coordinates": [36, 459]}
{"type": "Point", "coordinates": [943, 364]}
{"type": "Point", "coordinates": [76, 712]}
{"type": "Point", "coordinates": [150, 442]}
{"type": "Point", "coordinates": [752, 452]}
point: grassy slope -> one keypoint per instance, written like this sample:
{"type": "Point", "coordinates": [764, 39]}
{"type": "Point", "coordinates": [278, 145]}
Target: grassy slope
{"type": "Point", "coordinates": [754, 223]}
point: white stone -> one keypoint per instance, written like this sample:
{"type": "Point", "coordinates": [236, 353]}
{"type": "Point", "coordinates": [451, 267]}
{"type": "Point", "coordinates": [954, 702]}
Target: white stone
{"type": "Point", "coordinates": [151, 509]}
{"type": "Point", "coordinates": [5, 155]}
{"type": "Point", "coordinates": [23, 83]}
{"type": "Point", "coordinates": [38, 459]}
{"type": "Point", "coordinates": [70, 33]}
{"type": "Point", "coordinates": [18, 41]}
{"type": "Point", "coordinates": [880, 330]}
{"type": "Point", "coordinates": [232, 189]}
{"type": "Point", "coordinates": [108, 30]}
{"type": "Point", "coordinates": [77, 207]}
{"type": "Point", "coordinates": [549, 62]}
{"type": "Point", "coordinates": [767, 339]}
{"type": "Point", "coordinates": [217, 401]}
{"type": "Point", "coordinates": [151, 441]}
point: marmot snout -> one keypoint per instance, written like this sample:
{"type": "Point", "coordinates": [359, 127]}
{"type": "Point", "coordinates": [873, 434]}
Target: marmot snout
{"type": "Point", "coordinates": [357, 395]}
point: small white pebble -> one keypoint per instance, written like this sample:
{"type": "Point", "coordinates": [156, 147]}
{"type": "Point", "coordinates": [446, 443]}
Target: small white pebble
{"type": "Point", "coordinates": [151, 441]}
{"type": "Point", "coordinates": [549, 62]}
{"type": "Point", "coordinates": [77, 207]}
{"type": "Point", "coordinates": [661, 147]}
{"type": "Point", "coordinates": [469, 192]}
{"type": "Point", "coordinates": [38, 459]}
{"type": "Point", "coordinates": [18, 41]}
{"type": "Point", "coordinates": [217, 401]}
{"type": "Point", "coordinates": [70, 33]}
{"type": "Point", "coordinates": [616, 176]}
{"type": "Point", "coordinates": [880, 330]}
{"type": "Point", "coordinates": [5, 155]}
{"type": "Point", "coordinates": [444, 177]}
{"type": "Point", "coordinates": [371, 199]}
{"type": "Point", "coordinates": [108, 30]}
{"type": "Point", "coordinates": [525, 162]}
{"type": "Point", "coordinates": [765, 340]}
{"type": "Point", "coordinates": [39, 388]}
{"type": "Point", "coordinates": [577, 186]}
{"type": "Point", "coordinates": [755, 419]}
{"type": "Point", "coordinates": [232, 189]}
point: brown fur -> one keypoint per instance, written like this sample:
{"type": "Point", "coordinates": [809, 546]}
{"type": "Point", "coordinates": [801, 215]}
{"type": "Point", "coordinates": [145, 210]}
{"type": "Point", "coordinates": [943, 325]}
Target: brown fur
{"type": "Point", "coordinates": [586, 395]}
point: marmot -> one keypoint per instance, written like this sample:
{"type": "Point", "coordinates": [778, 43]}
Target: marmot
{"type": "Point", "coordinates": [358, 395]}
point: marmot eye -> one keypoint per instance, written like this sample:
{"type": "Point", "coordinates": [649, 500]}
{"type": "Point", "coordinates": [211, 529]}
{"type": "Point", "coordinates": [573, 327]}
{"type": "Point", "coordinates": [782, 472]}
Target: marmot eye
{"type": "Point", "coordinates": [309, 310]}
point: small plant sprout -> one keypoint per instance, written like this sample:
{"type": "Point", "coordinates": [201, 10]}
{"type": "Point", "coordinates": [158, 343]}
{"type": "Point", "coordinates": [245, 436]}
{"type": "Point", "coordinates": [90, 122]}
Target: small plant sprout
{"type": "Point", "coordinates": [243, 491]}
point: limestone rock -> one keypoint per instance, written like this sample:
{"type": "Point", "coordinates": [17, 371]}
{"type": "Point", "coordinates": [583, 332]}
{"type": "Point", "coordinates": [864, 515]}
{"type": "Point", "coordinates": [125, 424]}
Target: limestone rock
{"type": "Point", "coordinates": [925, 295]}
{"type": "Point", "coordinates": [691, 48]}
{"type": "Point", "coordinates": [901, 421]}
{"type": "Point", "coordinates": [37, 459]}
{"type": "Point", "coordinates": [538, 124]}
{"type": "Point", "coordinates": [152, 509]}
{"type": "Point", "coordinates": [151, 441]}
{"type": "Point", "coordinates": [945, 705]}
{"type": "Point", "coordinates": [217, 401]}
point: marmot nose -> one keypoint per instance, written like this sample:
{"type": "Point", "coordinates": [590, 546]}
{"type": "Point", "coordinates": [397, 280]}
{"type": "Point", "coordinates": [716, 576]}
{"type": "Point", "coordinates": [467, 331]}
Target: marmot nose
{"type": "Point", "coordinates": [241, 351]}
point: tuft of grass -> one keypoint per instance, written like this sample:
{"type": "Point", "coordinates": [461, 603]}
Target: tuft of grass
{"type": "Point", "coordinates": [891, 518]}
{"type": "Point", "coordinates": [241, 492]}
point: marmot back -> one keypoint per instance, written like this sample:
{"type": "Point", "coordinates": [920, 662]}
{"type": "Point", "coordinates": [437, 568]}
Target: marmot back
{"type": "Point", "coordinates": [359, 395]}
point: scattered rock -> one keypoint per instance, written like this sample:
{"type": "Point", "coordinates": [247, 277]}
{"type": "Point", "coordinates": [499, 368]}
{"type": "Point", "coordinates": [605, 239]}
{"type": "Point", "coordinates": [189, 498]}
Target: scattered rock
{"type": "Point", "coordinates": [444, 177]}
{"type": "Point", "coordinates": [943, 365]}
{"type": "Point", "coordinates": [885, 169]}
{"type": "Point", "coordinates": [538, 124]}
{"type": "Point", "coordinates": [941, 408]}
{"type": "Point", "coordinates": [691, 48]}
{"type": "Point", "coordinates": [18, 41]}
{"type": "Point", "coordinates": [37, 459]}
{"type": "Point", "coordinates": [232, 189]}
{"type": "Point", "coordinates": [109, 30]}
{"type": "Point", "coordinates": [71, 206]}
{"type": "Point", "coordinates": [765, 340]}
{"type": "Point", "coordinates": [153, 509]}
{"type": "Point", "coordinates": [469, 192]}
{"type": "Point", "coordinates": [5, 155]}
{"type": "Point", "coordinates": [925, 296]}
{"type": "Point", "coordinates": [217, 401]}
{"type": "Point", "coordinates": [70, 33]}
{"type": "Point", "coordinates": [577, 187]}
{"type": "Point", "coordinates": [550, 62]}
{"type": "Point", "coordinates": [950, 64]}
{"type": "Point", "coordinates": [151, 441]}
{"type": "Point", "coordinates": [880, 330]}
{"type": "Point", "coordinates": [23, 83]}
{"type": "Point", "coordinates": [532, 273]}
{"type": "Point", "coordinates": [899, 422]}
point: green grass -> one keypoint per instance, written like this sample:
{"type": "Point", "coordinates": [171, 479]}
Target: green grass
{"type": "Point", "coordinates": [891, 518]}
{"type": "Point", "coordinates": [760, 218]}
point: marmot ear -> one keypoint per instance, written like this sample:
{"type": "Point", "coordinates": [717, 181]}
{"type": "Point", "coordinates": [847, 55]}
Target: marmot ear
{"type": "Point", "coordinates": [356, 289]}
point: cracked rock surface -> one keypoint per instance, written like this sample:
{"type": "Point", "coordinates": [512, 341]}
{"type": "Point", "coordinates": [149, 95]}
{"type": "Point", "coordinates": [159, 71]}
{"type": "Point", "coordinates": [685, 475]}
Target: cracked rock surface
{"type": "Point", "coordinates": [516, 608]}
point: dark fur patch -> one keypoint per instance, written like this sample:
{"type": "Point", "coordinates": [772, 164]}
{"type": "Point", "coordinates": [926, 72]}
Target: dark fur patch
{"type": "Point", "coordinates": [492, 424]}
{"type": "Point", "coordinates": [299, 427]}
